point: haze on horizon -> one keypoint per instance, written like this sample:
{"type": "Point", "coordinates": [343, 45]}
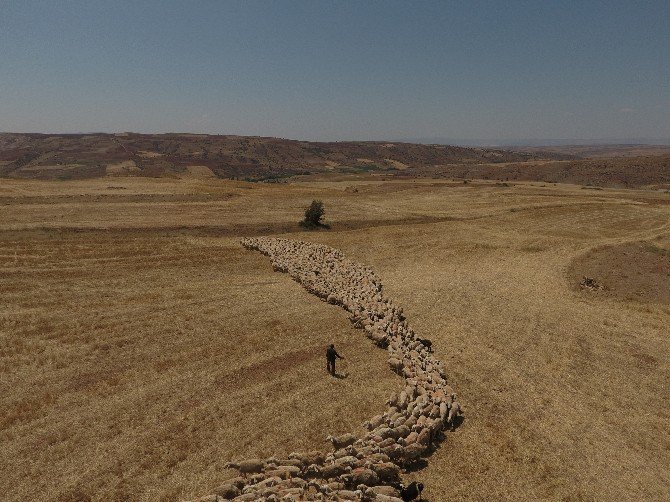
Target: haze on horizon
{"type": "Point", "coordinates": [483, 72]}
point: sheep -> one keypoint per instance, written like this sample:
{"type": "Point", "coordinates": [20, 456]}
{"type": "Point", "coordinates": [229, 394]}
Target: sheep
{"type": "Point", "coordinates": [286, 472]}
{"type": "Point", "coordinates": [287, 493]}
{"type": "Point", "coordinates": [400, 421]}
{"type": "Point", "coordinates": [363, 476]}
{"type": "Point", "coordinates": [312, 471]}
{"type": "Point", "coordinates": [247, 466]}
{"type": "Point", "coordinates": [444, 411]}
{"type": "Point", "coordinates": [386, 498]}
{"type": "Point", "coordinates": [415, 414]}
{"type": "Point", "coordinates": [373, 492]}
{"type": "Point", "coordinates": [342, 441]}
{"type": "Point", "coordinates": [387, 442]}
{"type": "Point", "coordinates": [396, 364]}
{"type": "Point", "coordinates": [388, 472]}
{"type": "Point", "coordinates": [411, 421]}
{"type": "Point", "coordinates": [392, 400]}
{"type": "Point", "coordinates": [228, 491]}
{"type": "Point", "coordinates": [394, 452]}
{"type": "Point", "coordinates": [434, 411]}
{"type": "Point", "coordinates": [332, 471]}
{"type": "Point", "coordinates": [403, 400]}
{"type": "Point", "coordinates": [293, 462]}
{"type": "Point", "coordinates": [411, 453]}
{"type": "Point", "coordinates": [246, 497]}
{"type": "Point", "coordinates": [425, 437]}
{"type": "Point", "coordinates": [453, 413]}
{"type": "Point", "coordinates": [348, 495]}
{"type": "Point", "coordinates": [313, 457]}
{"type": "Point", "coordinates": [349, 461]}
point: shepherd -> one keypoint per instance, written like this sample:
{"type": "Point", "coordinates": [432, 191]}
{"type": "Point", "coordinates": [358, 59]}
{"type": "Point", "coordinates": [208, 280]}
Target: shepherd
{"type": "Point", "coordinates": [331, 356]}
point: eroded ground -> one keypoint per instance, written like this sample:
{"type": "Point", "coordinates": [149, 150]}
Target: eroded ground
{"type": "Point", "coordinates": [134, 358]}
{"type": "Point", "coordinates": [632, 271]}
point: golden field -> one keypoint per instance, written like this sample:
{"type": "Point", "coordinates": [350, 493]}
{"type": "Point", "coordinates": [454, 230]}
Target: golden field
{"type": "Point", "coordinates": [141, 347]}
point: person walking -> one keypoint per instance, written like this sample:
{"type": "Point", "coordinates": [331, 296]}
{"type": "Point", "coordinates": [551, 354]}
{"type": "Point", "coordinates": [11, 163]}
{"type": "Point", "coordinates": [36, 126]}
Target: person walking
{"type": "Point", "coordinates": [331, 357]}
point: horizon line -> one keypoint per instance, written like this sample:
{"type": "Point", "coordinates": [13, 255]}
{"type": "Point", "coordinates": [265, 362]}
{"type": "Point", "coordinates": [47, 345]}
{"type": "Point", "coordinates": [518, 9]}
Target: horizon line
{"type": "Point", "coordinates": [507, 142]}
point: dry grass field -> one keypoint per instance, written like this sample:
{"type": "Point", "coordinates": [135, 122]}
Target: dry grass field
{"type": "Point", "coordinates": [141, 347]}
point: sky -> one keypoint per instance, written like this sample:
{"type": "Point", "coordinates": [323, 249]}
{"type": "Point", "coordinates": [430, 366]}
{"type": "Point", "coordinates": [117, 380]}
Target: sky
{"type": "Point", "coordinates": [488, 71]}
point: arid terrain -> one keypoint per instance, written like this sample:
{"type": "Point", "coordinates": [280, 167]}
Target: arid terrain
{"type": "Point", "coordinates": [199, 156]}
{"type": "Point", "coordinates": [138, 337]}
{"type": "Point", "coordinates": [81, 156]}
{"type": "Point", "coordinates": [601, 150]}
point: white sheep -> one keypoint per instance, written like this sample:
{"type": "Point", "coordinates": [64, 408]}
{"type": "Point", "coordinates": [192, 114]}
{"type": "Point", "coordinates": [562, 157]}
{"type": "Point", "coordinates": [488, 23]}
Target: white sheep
{"type": "Point", "coordinates": [342, 441]}
{"type": "Point", "coordinates": [415, 414]}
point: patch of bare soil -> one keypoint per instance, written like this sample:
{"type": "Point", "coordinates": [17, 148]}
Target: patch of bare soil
{"type": "Point", "coordinates": [637, 271]}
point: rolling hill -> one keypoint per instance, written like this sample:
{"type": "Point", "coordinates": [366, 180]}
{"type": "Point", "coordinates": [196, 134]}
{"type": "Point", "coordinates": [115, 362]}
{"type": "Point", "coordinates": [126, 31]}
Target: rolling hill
{"type": "Point", "coordinates": [77, 156]}
{"type": "Point", "coordinates": [83, 156]}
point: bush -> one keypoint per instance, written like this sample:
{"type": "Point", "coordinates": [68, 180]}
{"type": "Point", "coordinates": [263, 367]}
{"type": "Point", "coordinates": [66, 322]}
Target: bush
{"type": "Point", "coordinates": [313, 215]}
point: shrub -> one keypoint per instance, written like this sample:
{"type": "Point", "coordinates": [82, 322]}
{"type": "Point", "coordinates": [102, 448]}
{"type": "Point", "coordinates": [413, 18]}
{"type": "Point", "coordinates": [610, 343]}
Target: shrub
{"type": "Point", "coordinates": [313, 215]}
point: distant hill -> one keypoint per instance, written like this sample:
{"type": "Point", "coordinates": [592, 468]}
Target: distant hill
{"type": "Point", "coordinates": [599, 150]}
{"type": "Point", "coordinates": [75, 156]}
{"type": "Point", "coordinates": [623, 172]}
{"type": "Point", "coordinates": [79, 156]}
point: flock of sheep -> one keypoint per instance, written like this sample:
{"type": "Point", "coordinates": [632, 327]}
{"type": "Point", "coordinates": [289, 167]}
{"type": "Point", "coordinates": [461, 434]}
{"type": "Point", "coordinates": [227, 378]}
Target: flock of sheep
{"type": "Point", "coordinates": [367, 467]}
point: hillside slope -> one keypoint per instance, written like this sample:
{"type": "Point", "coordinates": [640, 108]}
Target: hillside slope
{"type": "Point", "coordinates": [75, 156]}
{"type": "Point", "coordinates": [619, 172]}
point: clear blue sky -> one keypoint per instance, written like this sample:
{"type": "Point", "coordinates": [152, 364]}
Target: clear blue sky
{"type": "Point", "coordinates": [491, 70]}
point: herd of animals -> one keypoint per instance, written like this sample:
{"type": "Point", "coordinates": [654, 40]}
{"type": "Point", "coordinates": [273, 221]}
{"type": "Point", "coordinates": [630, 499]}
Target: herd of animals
{"type": "Point", "coordinates": [368, 467]}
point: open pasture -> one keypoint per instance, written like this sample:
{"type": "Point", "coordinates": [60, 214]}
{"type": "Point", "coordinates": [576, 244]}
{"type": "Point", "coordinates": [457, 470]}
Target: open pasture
{"type": "Point", "coordinates": [141, 347]}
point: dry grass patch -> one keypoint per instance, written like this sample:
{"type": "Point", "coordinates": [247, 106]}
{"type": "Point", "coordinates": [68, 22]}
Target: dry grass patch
{"type": "Point", "coordinates": [200, 172]}
{"type": "Point", "coordinates": [135, 361]}
{"type": "Point", "coordinates": [122, 168]}
{"type": "Point", "coordinates": [564, 396]}
{"type": "Point", "coordinates": [133, 369]}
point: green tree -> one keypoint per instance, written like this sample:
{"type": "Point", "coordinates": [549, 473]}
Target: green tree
{"type": "Point", "coordinates": [313, 215]}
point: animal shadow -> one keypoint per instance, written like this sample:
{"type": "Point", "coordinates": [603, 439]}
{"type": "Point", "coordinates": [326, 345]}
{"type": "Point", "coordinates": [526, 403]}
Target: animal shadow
{"type": "Point", "coordinates": [458, 421]}
{"type": "Point", "coordinates": [416, 466]}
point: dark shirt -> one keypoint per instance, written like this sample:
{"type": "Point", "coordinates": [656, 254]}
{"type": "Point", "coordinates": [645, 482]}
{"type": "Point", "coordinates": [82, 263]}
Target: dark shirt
{"type": "Point", "coordinates": [331, 354]}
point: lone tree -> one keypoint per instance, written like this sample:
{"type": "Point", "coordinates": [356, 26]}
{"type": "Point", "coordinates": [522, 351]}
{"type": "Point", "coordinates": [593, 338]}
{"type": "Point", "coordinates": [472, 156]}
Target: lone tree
{"type": "Point", "coordinates": [313, 215]}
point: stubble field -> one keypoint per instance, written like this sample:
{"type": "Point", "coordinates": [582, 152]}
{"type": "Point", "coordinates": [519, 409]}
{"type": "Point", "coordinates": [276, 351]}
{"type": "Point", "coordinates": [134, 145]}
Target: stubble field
{"type": "Point", "coordinates": [141, 347]}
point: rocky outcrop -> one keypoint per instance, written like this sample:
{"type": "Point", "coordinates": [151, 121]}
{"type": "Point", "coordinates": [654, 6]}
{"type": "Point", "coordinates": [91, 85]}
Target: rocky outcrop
{"type": "Point", "coordinates": [366, 467]}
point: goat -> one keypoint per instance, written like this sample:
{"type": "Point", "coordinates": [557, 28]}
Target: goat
{"type": "Point", "coordinates": [426, 343]}
{"type": "Point", "coordinates": [411, 491]}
